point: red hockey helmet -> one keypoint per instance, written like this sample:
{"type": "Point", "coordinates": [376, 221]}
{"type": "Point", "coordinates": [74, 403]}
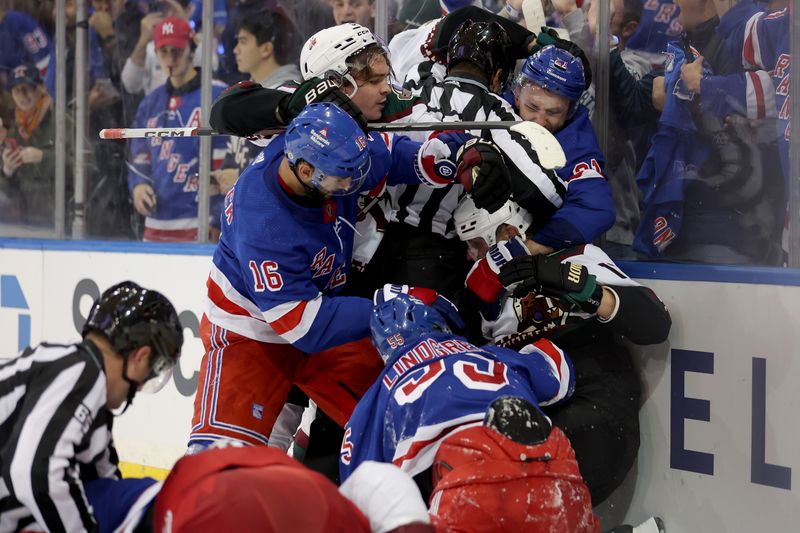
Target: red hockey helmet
{"type": "Point", "coordinates": [484, 481]}
{"type": "Point", "coordinates": [252, 489]}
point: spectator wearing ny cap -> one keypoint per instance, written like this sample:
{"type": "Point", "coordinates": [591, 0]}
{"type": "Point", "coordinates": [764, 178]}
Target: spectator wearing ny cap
{"type": "Point", "coordinates": [142, 71]}
{"type": "Point", "coordinates": [172, 39]}
{"type": "Point", "coordinates": [163, 173]}
{"type": "Point", "coordinates": [27, 186]}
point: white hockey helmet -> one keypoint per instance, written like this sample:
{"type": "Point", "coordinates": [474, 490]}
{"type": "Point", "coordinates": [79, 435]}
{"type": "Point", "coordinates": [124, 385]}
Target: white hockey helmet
{"type": "Point", "coordinates": [472, 222]}
{"type": "Point", "coordinates": [328, 50]}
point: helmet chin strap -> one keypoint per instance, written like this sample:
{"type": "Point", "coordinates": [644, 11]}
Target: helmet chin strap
{"type": "Point", "coordinates": [133, 386]}
{"type": "Point", "coordinates": [312, 192]}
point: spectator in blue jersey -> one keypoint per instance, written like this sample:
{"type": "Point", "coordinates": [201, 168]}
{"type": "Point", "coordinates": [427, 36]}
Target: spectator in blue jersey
{"type": "Point", "coordinates": [56, 403]}
{"type": "Point", "coordinates": [708, 184]}
{"type": "Point", "coordinates": [22, 40]}
{"type": "Point", "coordinates": [274, 310]}
{"type": "Point", "coordinates": [163, 173]}
{"type": "Point", "coordinates": [659, 24]}
{"type": "Point", "coordinates": [465, 422]}
{"type": "Point", "coordinates": [266, 49]}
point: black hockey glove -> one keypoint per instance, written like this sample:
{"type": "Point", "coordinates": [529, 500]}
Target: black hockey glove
{"type": "Point", "coordinates": [318, 90]}
{"type": "Point", "coordinates": [484, 174]}
{"type": "Point", "coordinates": [545, 274]}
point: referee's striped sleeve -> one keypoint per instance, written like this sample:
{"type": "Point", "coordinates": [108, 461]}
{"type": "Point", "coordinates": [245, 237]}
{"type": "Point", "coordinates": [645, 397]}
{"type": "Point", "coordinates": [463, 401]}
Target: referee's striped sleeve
{"type": "Point", "coordinates": [39, 466]}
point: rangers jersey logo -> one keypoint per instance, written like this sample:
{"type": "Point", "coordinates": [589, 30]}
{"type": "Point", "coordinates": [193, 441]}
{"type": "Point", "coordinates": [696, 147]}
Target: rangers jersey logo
{"type": "Point", "coordinates": [322, 263]}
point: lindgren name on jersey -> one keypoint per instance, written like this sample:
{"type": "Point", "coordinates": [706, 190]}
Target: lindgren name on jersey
{"type": "Point", "coordinates": [426, 350]}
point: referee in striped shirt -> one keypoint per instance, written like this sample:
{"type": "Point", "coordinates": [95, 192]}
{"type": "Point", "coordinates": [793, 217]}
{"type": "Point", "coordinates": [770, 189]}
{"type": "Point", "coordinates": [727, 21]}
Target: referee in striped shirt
{"type": "Point", "coordinates": [56, 402]}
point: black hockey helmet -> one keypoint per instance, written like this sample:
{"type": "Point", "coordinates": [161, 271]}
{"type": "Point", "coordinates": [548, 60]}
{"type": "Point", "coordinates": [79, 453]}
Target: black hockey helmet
{"type": "Point", "coordinates": [484, 44]}
{"type": "Point", "coordinates": [131, 316]}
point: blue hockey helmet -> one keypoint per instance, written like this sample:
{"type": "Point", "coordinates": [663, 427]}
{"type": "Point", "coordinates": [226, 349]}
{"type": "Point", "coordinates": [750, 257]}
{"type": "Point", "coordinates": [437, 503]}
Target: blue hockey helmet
{"type": "Point", "coordinates": [554, 69]}
{"type": "Point", "coordinates": [329, 140]}
{"type": "Point", "coordinates": [396, 323]}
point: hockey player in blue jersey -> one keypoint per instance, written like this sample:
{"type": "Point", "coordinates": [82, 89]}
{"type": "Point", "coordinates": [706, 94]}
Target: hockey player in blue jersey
{"type": "Point", "coordinates": [163, 172]}
{"type": "Point", "coordinates": [272, 312]}
{"type": "Point", "coordinates": [430, 403]}
{"type": "Point", "coordinates": [546, 91]}
{"type": "Point", "coordinates": [436, 383]}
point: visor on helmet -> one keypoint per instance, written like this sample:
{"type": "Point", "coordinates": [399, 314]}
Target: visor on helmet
{"type": "Point", "coordinates": [160, 374]}
{"type": "Point", "coordinates": [331, 185]}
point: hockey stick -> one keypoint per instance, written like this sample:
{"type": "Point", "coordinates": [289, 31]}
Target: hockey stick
{"type": "Point", "coordinates": [533, 13]}
{"type": "Point", "coordinates": [549, 151]}
{"type": "Point", "coordinates": [144, 133]}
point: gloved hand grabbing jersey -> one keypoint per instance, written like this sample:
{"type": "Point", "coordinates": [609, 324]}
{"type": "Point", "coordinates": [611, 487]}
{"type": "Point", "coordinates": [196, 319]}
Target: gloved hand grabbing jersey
{"type": "Point", "coordinates": [484, 174]}
{"type": "Point", "coordinates": [427, 296]}
{"type": "Point", "coordinates": [476, 163]}
{"type": "Point", "coordinates": [483, 277]}
{"type": "Point", "coordinates": [545, 274]}
{"type": "Point", "coordinates": [318, 90]}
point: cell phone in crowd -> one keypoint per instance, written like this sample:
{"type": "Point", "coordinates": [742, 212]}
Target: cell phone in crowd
{"type": "Point", "coordinates": [10, 143]}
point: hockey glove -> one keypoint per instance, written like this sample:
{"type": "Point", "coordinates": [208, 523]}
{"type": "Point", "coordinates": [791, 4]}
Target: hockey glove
{"type": "Point", "coordinates": [545, 37]}
{"type": "Point", "coordinates": [318, 90]}
{"type": "Point", "coordinates": [429, 297]}
{"type": "Point", "coordinates": [482, 278]}
{"type": "Point", "coordinates": [484, 174]}
{"type": "Point", "coordinates": [545, 274]}
{"type": "Point", "coordinates": [436, 164]}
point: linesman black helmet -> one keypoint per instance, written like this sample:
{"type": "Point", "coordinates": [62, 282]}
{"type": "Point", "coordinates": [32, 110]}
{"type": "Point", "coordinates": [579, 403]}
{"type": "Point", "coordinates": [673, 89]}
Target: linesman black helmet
{"type": "Point", "coordinates": [484, 44]}
{"type": "Point", "coordinates": [131, 316]}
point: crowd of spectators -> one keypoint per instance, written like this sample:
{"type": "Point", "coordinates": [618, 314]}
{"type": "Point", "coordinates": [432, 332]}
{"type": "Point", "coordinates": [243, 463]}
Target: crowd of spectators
{"type": "Point", "coordinates": [696, 175]}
